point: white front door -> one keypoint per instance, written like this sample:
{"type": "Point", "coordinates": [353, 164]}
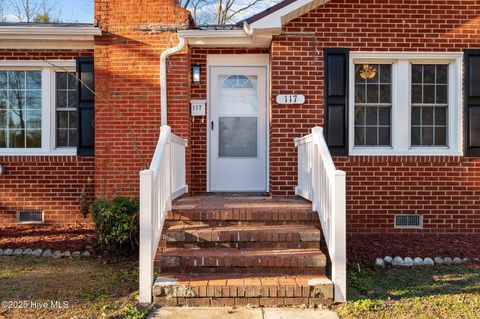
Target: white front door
{"type": "Point", "coordinates": [238, 130]}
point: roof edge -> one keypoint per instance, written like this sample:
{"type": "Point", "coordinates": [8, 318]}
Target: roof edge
{"type": "Point", "coordinates": [32, 30]}
{"type": "Point", "coordinates": [266, 12]}
{"type": "Point", "coordinates": [276, 17]}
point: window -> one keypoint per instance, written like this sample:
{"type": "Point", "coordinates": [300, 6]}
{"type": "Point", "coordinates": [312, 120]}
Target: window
{"type": "Point", "coordinates": [429, 104]}
{"type": "Point", "coordinates": [238, 82]}
{"type": "Point", "coordinates": [66, 109]}
{"type": "Point", "coordinates": [20, 109]}
{"type": "Point", "coordinates": [405, 103]}
{"type": "Point", "coordinates": [237, 116]}
{"type": "Point", "coordinates": [38, 103]}
{"type": "Point", "coordinates": [373, 104]}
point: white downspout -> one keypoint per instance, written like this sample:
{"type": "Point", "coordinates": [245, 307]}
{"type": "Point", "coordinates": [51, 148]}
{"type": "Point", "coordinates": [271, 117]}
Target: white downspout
{"type": "Point", "coordinates": [163, 77]}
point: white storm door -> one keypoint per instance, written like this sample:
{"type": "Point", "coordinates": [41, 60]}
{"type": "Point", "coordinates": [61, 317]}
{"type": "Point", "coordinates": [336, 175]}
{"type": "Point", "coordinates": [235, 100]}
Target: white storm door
{"type": "Point", "coordinates": [238, 130]}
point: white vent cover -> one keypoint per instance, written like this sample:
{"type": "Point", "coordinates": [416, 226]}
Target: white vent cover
{"type": "Point", "coordinates": [408, 221]}
{"type": "Point", "coordinates": [30, 216]}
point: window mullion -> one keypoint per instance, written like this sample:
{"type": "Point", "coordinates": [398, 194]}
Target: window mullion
{"type": "Point", "coordinates": [401, 121]}
{"type": "Point", "coordinates": [46, 110]}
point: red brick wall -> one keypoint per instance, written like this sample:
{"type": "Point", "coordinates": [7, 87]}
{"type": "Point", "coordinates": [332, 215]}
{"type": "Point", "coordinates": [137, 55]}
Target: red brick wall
{"type": "Point", "coordinates": [53, 54]}
{"type": "Point", "coordinates": [52, 184]}
{"type": "Point", "coordinates": [199, 124]}
{"type": "Point", "coordinates": [444, 189]}
{"type": "Point", "coordinates": [178, 87]}
{"type": "Point", "coordinates": [127, 77]}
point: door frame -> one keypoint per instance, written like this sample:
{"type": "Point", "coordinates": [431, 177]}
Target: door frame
{"type": "Point", "coordinates": [240, 60]}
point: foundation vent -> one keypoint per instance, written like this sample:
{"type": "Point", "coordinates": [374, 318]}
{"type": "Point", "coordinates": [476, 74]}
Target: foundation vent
{"type": "Point", "coordinates": [408, 221]}
{"type": "Point", "coordinates": [30, 216]}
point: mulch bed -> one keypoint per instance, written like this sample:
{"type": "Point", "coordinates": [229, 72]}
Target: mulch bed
{"type": "Point", "coordinates": [49, 237]}
{"type": "Point", "coordinates": [365, 248]}
{"type": "Point", "coordinates": [360, 248]}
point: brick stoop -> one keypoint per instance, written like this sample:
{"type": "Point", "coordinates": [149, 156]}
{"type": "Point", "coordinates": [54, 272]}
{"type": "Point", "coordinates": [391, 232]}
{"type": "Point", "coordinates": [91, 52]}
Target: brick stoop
{"type": "Point", "coordinates": [242, 290]}
{"type": "Point", "coordinates": [234, 251]}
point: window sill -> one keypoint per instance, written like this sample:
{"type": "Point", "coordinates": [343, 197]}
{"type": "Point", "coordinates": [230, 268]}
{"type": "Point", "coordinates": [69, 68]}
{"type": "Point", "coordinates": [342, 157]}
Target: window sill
{"type": "Point", "coordinates": [38, 152]}
{"type": "Point", "coordinates": [431, 151]}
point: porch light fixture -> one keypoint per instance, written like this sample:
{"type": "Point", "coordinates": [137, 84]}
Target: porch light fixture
{"type": "Point", "coordinates": [367, 72]}
{"type": "Point", "coordinates": [196, 73]}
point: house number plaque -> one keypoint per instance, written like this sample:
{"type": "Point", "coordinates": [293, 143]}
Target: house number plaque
{"type": "Point", "coordinates": [291, 99]}
{"type": "Point", "coordinates": [198, 107]}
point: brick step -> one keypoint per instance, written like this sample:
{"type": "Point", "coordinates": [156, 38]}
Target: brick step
{"type": "Point", "coordinates": [194, 259]}
{"type": "Point", "coordinates": [241, 245]}
{"type": "Point", "coordinates": [245, 270]}
{"type": "Point", "coordinates": [277, 215]}
{"type": "Point", "coordinates": [223, 223]}
{"type": "Point", "coordinates": [228, 289]}
{"type": "Point", "coordinates": [243, 233]}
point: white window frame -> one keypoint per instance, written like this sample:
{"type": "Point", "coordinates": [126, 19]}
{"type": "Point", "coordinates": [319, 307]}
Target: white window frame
{"type": "Point", "coordinates": [48, 69]}
{"type": "Point", "coordinates": [53, 128]}
{"type": "Point", "coordinates": [401, 102]}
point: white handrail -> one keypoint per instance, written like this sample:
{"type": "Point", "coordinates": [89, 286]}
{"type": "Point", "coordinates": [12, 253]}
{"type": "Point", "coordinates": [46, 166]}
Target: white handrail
{"type": "Point", "coordinates": [320, 182]}
{"type": "Point", "coordinates": [159, 186]}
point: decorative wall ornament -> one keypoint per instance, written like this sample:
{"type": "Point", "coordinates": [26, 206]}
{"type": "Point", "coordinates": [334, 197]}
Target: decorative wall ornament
{"type": "Point", "coordinates": [367, 72]}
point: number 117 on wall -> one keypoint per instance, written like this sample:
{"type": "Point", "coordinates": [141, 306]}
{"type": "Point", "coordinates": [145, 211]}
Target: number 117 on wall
{"type": "Point", "coordinates": [290, 99]}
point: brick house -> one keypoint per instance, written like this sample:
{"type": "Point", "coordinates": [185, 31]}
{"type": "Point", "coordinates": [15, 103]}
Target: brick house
{"type": "Point", "coordinates": [237, 109]}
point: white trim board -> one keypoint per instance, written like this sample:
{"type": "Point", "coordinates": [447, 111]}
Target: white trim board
{"type": "Point", "coordinates": [278, 18]}
{"type": "Point", "coordinates": [53, 44]}
{"type": "Point", "coordinates": [238, 60]}
{"type": "Point", "coordinates": [31, 30]}
{"type": "Point", "coordinates": [47, 37]}
{"type": "Point", "coordinates": [37, 63]}
{"type": "Point", "coordinates": [401, 134]}
{"type": "Point", "coordinates": [260, 60]}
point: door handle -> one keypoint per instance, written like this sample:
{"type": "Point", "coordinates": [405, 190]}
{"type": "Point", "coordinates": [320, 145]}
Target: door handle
{"type": "Point", "coordinates": [212, 125]}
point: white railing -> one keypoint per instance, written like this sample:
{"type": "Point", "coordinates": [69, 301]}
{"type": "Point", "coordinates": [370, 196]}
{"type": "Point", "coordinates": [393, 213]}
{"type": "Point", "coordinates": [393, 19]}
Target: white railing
{"type": "Point", "coordinates": [159, 186]}
{"type": "Point", "coordinates": [320, 182]}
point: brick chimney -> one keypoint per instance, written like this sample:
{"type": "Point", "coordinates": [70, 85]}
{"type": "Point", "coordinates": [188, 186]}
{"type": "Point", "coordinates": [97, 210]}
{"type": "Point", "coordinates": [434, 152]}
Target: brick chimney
{"type": "Point", "coordinates": [127, 83]}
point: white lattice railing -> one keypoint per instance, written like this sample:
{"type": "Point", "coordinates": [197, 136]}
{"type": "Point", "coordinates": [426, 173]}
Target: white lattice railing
{"type": "Point", "coordinates": [320, 182]}
{"type": "Point", "coordinates": [159, 186]}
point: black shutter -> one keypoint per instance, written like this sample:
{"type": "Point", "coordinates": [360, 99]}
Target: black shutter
{"type": "Point", "coordinates": [336, 100]}
{"type": "Point", "coordinates": [86, 107]}
{"type": "Point", "coordinates": [472, 102]}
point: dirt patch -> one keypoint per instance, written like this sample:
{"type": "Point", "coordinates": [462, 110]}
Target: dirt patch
{"type": "Point", "coordinates": [49, 237]}
{"type": "Point", "coordinates": [365, 248]}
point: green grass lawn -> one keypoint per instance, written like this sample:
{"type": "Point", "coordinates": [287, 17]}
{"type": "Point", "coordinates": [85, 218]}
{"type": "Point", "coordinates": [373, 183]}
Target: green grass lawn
{"type": "Point", "coordinates": [450, 292]}
{"type": "Point", "coordinates": [96, 288]}
{"type": "Point", "coordinates": [93, 288]}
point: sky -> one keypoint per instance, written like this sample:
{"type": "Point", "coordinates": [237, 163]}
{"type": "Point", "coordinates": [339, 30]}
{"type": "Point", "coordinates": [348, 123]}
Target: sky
{"type": "Point", "coordinates": [71, 10]}
{"type": "Point", "coordinates": [82, 10]}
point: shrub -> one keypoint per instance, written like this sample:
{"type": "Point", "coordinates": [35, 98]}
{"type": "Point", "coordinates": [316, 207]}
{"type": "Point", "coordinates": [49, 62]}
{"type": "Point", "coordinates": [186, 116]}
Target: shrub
{"type": "Point", "coordinates": [117, 224]}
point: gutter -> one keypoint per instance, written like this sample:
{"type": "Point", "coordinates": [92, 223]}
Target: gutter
{"type": "Point", "coordinates": [163, 77]}
{"type": "Point", "coordinates": [42, 30]}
